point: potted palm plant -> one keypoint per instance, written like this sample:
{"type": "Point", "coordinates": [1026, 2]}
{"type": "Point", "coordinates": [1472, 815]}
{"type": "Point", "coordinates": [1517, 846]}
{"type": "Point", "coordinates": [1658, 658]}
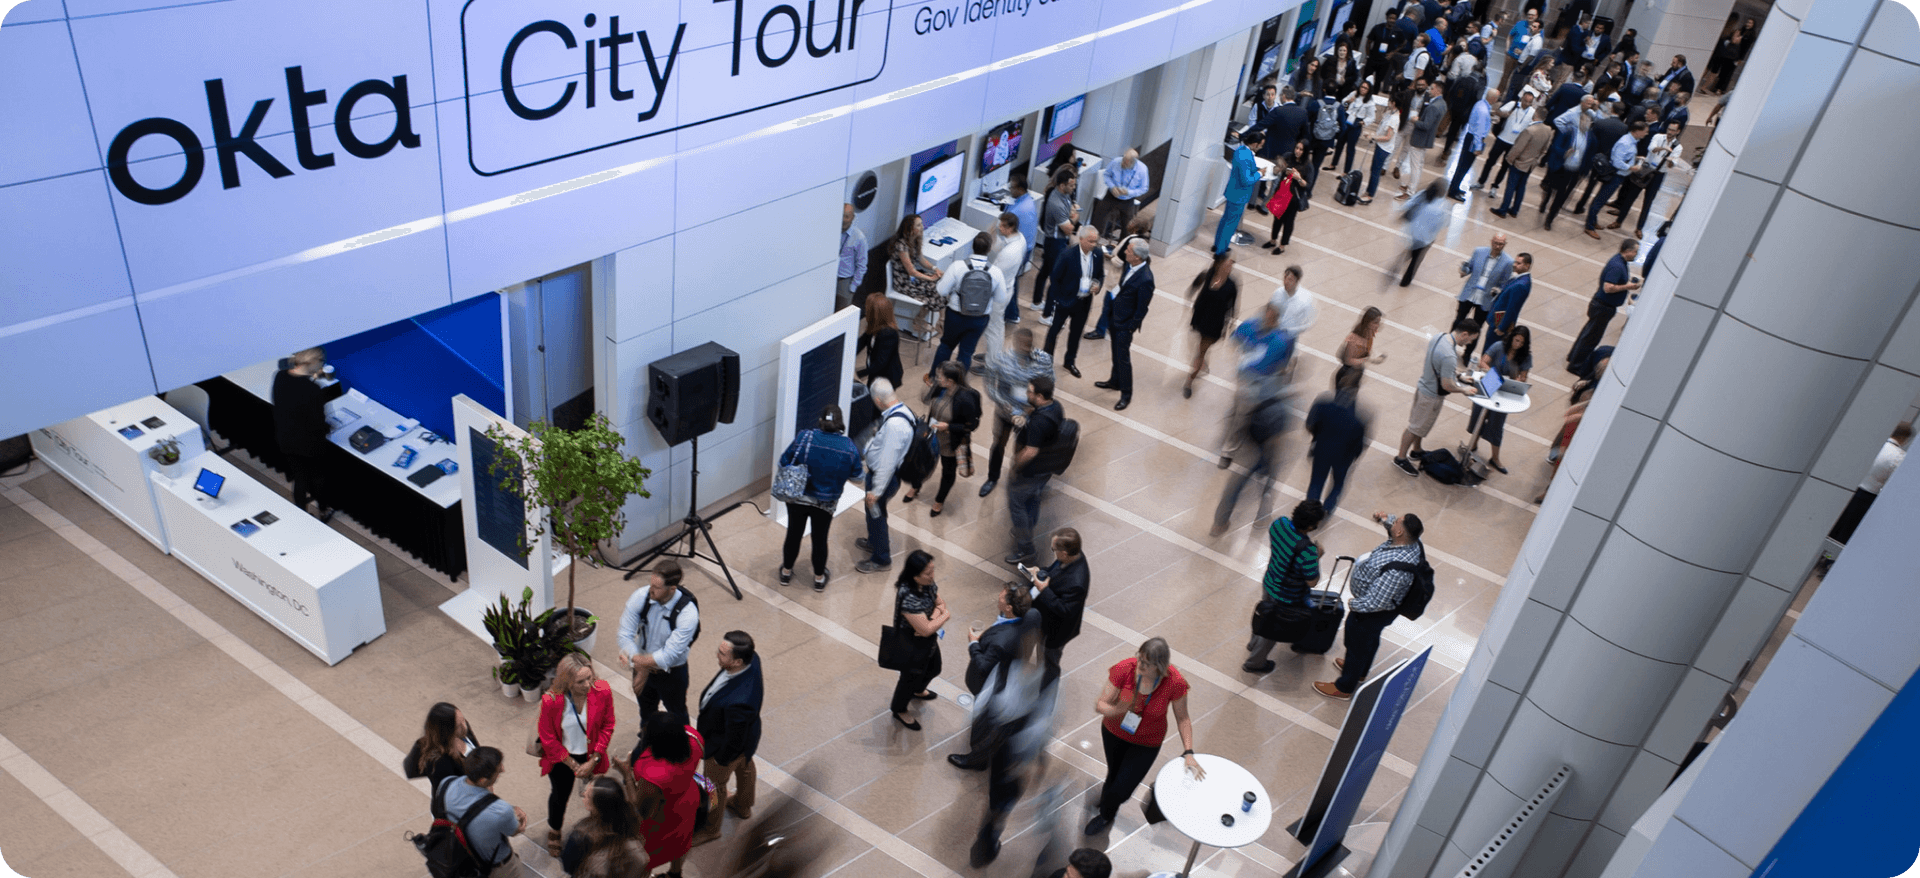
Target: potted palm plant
{"type": "Point", "coordinates": [580, 480]}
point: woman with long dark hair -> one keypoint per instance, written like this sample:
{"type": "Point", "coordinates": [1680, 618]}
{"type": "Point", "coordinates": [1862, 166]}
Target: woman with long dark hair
{"type": "Point", "coordinates": [880, 335]}
{"type": "Point", "coordinates": [1357, 350]}
{"type": "Point", "coordinates": [666, 794]}
{"type": "Point", "coordinates": [919, 611]}
{"type": "Point", "coordinates": [914, 276]}
{"type": "Point", "coordinates": [444, 743]}
{"type": "Point", "coordinates": [1513, 359]}
{"type": "Point", "coordinates": [1216, 294]}
{"type": "Point", "coordinates": [955, 414]}
{"type": "Point", "coordinates": [831, 460]}
{"type": "Point", "coordinates": [605, 843]}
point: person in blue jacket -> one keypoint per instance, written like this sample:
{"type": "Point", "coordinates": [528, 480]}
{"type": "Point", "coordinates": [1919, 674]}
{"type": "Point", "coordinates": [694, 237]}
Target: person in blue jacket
{"type": "Point", "coordinates": [1240, 183]}
{"type": "Point", "coordinates": [831, 461]}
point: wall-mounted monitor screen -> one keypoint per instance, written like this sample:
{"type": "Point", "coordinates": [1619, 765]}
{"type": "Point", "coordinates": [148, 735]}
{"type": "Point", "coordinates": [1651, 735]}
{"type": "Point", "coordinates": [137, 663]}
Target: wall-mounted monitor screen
{"type": "Point", "coordinates": [1268, 62]}
{"type": "Point", "coordinates": [938, 182]}
{"type": "Point", "coordinates": [1001, 146]}
{"type": "Point", "coordinates": [1342, 10]}
{"type": "Point", "coordinates": [1065, 117]}
{"type": "Point", "coordinates": [1303, 38]}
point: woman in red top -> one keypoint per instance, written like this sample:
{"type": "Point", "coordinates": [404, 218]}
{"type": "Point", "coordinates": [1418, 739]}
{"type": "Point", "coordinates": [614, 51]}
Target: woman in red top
{"type": "Point", "coordinates": [576, 722]}
{"type": "Point", "coordinates": [666, 794]}
{"type": "Point", "coordinates": [1135, 702]}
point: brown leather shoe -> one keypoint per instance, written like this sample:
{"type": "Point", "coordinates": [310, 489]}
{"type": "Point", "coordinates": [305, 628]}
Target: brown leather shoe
{"type": "Point", "coordinates": [1593, 234]}
{"type": "Point", "coordinates": [1613, 226]}
{"type": "Point", "coordinates": [1339, 664]}
{"type": "Point", "coordinates": [553, 843]}
{"type": "Point", "coordinates": [1330, 691]}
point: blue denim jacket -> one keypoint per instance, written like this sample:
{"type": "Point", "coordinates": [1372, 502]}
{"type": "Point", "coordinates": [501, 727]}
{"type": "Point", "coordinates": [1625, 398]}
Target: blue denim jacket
{"type": "Point", "coordinates": [831, 460]}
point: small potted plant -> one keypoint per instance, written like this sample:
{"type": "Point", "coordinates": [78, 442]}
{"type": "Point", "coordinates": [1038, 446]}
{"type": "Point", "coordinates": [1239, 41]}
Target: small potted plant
{"type": "Point", "coordinates": [166, 453]}
{"type": "Point", "coordinates": [509, 680]}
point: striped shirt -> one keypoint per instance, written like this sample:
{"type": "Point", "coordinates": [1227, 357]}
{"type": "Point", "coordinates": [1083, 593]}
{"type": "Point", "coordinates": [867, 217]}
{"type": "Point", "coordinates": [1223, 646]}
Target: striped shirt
{"type": "Point", "coordinates": [1377, 589]}
{"type": "Point", "coordinates": [1293, 566]}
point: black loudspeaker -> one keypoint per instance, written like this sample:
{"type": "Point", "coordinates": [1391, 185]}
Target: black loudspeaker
{"type": "Point", "coordinates": [690, 391]}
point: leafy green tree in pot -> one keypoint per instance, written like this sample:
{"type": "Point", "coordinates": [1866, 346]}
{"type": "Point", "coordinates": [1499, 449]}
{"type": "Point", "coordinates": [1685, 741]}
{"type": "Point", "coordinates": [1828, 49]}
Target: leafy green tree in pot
{"type": "Point", "coordinates": [581, 479]}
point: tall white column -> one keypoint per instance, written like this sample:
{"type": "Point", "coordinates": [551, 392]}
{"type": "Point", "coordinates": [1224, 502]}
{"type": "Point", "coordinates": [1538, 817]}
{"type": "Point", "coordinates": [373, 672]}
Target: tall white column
{"type": "Point", "coordinates": [1773, 350]}
{"type": "Point", "coordinates": [1678, 27]}
{"type": "Point", "coordinates": [1196, 167]}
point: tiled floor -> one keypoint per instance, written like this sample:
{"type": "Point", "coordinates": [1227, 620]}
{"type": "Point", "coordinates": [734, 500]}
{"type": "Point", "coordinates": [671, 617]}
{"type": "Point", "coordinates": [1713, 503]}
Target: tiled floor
{"type": "Point", "coordinates": [151, 725]}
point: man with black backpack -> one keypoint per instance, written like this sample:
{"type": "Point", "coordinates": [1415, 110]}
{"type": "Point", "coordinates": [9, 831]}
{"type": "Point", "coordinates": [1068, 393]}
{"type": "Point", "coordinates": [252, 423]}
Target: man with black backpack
{"type": "Point", "coordinates": [1439, 376]}
{"type": "Point", "coordinates": [1045, 447]}
{"type": "Point", "coordinates": [477, 836]}
{"type": "Point", "coordinates": [1380, 584]}
{"type": "Point", "coordinates": [657, 631]}
{"type": "Point", "coordinates": [885, 453]}
{"type": "Point", "coordinates": [970, 286]}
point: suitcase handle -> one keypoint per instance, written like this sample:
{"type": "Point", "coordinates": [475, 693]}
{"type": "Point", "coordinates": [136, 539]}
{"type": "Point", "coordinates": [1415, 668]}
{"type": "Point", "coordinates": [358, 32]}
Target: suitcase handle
{"type": "Point", "coordinates": [1334, 571]}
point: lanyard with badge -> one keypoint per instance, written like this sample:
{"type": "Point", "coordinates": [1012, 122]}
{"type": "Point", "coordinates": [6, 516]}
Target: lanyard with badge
{"type": "Point", "coordinates": [1130, 723]}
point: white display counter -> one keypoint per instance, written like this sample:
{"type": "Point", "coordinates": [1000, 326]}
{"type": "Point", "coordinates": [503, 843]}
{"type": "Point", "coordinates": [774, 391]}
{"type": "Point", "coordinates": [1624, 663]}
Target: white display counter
{"type": "Point", "coordinates": [105, 455]}
{"type": "Point", "coordinates": [315, 585]}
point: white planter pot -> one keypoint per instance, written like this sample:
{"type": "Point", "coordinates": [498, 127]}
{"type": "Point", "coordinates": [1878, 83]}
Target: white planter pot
{"type": "Point", "coordinates": [171, 470]}
{"type": "Point", "coordinates": [511, 690]}
{"type": "Point", "coordinates": [532, 695]}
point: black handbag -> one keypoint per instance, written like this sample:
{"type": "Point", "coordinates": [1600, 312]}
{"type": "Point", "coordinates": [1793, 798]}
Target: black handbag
{"type": "Point", "coordinates": [1280, 620]}
{"type": "Point", "coordinates": [901, 649]}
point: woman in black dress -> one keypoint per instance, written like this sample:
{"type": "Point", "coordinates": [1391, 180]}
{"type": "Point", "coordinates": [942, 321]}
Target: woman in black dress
{"type": "Point", "coordinates": [918, 610]}
{"type": "Point", "coordinates": [1215, 295]}
{"type": "Point", "coordinates": [881, 338]}
{"type": "Point", "coordinates": [955, 414]}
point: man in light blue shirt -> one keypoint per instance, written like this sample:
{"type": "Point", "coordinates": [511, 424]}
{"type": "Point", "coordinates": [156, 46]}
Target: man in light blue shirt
{"type": "Point", "coordinates": [853, 258]}
{"type": "Point", "coordinates": [1472, 140]}
{"type": "Point", "coordinates": [1126, 179]}
{"type": "Point", "coordinates": [1028, 213]}
{"type": "Point", "coordinates": [1240, 181]}
{"type": "Point", "coordinates": [1626, 152]}
{"type": "Point", "coordinates": [656, 630]}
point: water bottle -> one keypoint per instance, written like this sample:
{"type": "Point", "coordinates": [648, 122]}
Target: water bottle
{"type": "Point", "coordinates": [1246, 802]}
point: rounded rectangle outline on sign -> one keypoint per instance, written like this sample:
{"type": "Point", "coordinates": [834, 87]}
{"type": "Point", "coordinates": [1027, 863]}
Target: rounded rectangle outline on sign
{"type": "Point", "coordinates": [466, 94]}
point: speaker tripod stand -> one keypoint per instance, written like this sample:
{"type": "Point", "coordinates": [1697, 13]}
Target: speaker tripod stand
{"type": "Point", "coordinates": [693, 528]}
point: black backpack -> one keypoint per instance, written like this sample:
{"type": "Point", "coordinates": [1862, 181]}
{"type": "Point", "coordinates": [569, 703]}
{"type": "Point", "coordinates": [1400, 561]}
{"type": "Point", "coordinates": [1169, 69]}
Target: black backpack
{"type": "Point", "coordinates": [976, 291]}
{"type": "Point", "coordinates": [1442, 467]}
{"type": "Point", "coordinates": [923, 452]}
{"type": "Point", "coordinates": [1420, 593]}
{"type": "Point", "coordinates": [444, 844]}
{"type": "Point", "coordinates": [1348, 192]}
{"type": "Point", "coordinates": [1055, 458]}
{"type": "Point", "coordinates": [673, 615]}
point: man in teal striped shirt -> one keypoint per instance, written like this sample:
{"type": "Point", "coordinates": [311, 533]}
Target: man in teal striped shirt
{"type": "Point", "coordinates": [1292, 569]}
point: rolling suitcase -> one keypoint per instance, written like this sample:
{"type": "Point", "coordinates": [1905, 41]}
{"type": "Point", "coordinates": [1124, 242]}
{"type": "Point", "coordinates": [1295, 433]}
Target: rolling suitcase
{"type": "Point", "coordinates": [1326, 610]}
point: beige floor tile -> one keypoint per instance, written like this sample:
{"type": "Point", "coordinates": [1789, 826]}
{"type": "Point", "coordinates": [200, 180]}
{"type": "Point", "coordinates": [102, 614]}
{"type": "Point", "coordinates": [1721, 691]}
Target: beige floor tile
{"type": "Point", "coordinates": [76, 859]}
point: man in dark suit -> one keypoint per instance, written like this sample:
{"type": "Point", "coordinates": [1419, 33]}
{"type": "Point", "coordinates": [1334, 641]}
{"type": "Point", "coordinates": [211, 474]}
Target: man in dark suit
{"type": "Point", "coordinates": [1130, 303]}
{"type": "Point", "coordinates": [1607, 131]}
{"type": "Point", "coordinates": [1677, 72]}
{"type": "Point", "coordinates": [1565, 97]}
{"type": "Point", "coordinates": [1079, 274]}
{"type": "Point", "coordinates": [994, 650]}
{"type": "Point", "coordinates": [730, 724]}
{"type": "Point", "coordinates": [1062, 597]}
{"type": "Point", "coordinates": [1284, 126]}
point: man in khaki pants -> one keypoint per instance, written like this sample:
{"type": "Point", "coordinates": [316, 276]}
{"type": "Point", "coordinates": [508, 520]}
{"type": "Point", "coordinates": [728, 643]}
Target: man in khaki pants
{"type": "Point", "coordinates": [730, 725]}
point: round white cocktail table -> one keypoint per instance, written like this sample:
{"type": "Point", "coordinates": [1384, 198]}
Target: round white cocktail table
{"type": "Point", "coordinates": [1195, 806]}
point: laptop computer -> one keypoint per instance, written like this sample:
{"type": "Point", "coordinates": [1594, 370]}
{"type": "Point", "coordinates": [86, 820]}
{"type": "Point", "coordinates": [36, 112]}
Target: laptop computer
{"type": "Point", "coordinates": [1494, 386]}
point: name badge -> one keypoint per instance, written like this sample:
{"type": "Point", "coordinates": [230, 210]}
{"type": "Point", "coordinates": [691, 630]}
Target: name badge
{"type": "Point", "coordinates": [1130, 723]}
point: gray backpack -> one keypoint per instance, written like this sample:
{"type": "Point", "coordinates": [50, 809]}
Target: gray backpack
{"type": "Point", "coordinates": [976, 292]}
{"type": "Point", "coordinates": [1326, 124]}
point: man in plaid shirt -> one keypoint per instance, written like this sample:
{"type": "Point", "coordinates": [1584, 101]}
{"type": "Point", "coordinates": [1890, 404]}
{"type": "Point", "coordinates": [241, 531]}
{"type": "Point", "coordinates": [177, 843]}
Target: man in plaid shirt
{"type": "Point", "coordinates": [1376, 595]}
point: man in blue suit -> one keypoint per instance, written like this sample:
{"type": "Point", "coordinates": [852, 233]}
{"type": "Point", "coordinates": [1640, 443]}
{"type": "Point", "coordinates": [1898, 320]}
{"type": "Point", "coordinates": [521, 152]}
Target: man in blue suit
{"type": "Point", "coordinates": [1079, 274]}
{"type": "Point", "coordinates": [1486, 271]}
{"type": "Point", "coordinates": [1130, 303]}
{"type": "Point", "coordinates": [1504, 312]}
{"type": "Point", "coordinates": [729, 722]}
{"type": "Point", "coordinates": [1240, 182]}
{"type": "Point", "coordinates": [1566, 158]}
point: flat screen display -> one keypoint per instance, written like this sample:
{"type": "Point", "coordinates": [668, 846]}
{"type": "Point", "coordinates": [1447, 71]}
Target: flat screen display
{"type": "Point", "coordinates": [1341, 12]}
{"type": "Point", "coordinates": [1303, 39]}
{"type": "Point", "coordinates": [209, 482]}
{"type": "Point", "coordinates": [938, 182]}
{"type": "Point", "coordinates": [1065, 117]}
{"type": "Point", "coordinates": [1268, 62]}
{"type": "Point", "coordinates": [1001, 146]}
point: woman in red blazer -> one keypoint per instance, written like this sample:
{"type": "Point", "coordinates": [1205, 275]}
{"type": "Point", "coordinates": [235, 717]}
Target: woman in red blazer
{"type": "Point", "coordinates": [576, 723]}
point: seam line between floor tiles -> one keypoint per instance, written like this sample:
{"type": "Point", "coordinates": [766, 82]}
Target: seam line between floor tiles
{"type": "Point", "coordinates": [386, 755]}
{"type": "Point", "coordinates": [85, 819]}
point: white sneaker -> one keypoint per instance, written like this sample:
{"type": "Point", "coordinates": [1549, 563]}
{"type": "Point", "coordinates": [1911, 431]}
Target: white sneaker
{"type": "Point", "coordinates": [1030, 306]}
{"type": "Point", "coordinates": [1046, 321]}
